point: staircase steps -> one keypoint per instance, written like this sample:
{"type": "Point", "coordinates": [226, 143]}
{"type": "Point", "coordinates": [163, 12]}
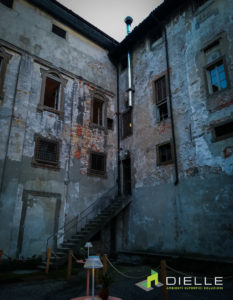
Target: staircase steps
{"type": "Point", "coordinates": [92, 227]}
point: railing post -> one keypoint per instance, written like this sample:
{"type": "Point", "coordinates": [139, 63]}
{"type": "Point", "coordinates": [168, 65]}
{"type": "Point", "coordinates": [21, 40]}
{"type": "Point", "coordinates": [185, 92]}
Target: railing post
{"type": "Point", "coordinates": [69, 269]}
{"type": "Point", "coordinates": [105, 266]}
{"type": "Point", "coordinates": [163, 275]}
{"type": "Point", "coordinates": [48, 260]}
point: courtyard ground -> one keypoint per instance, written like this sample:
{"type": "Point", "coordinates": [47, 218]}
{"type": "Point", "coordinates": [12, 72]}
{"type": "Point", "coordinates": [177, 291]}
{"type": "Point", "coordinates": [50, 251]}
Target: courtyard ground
{"type": "Point", "coordinates": [37, 286]}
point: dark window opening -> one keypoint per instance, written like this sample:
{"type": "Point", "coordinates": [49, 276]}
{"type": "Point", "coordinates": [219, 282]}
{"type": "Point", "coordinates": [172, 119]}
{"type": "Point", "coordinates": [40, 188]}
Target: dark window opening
{"type": "Point", "coordinates": [8, 3]}
{"type": "Point", "coordinates": [97, 163]}
{"type": "Point", "coordinates": [51, 96]}
{"type": "Point", "coordinates": [160, 88]}
{"type": "Point", "coordinates": [98, 112]}
{"type": "Point", "coordinates": [164, 153]}
{"type": "Point", "coordinates": [47, 152]}
{"type": "Point", "coordinates": [127, 125]}
{"type": "Point", "coordinates": [223, 131]}
{"type": "Point", "coordinates": [154, 36]}
{"type": "Point", "coordinates": [59, 31]}
{"type": "Point", "coordinates": [198, 3]}
{"type": "Point", "coordinates": [216, 77]}
{"type": "Point", "coordinates": [123, 63]}
{"type": "Point", "coordinates": [110, 123]}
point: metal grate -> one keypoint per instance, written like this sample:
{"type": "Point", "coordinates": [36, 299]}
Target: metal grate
{"type": "Point", "coordinates": [47, 151]}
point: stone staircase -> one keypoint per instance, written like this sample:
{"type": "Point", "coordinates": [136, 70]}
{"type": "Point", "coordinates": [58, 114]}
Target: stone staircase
{"type": "Point", "coordinates": [91, 227]}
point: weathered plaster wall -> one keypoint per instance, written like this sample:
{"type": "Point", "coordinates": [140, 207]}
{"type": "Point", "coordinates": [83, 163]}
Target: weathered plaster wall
{"type": "Point", "coordinates": [36, 201]}
{"type": "Point", "coordinates": [195, 216]}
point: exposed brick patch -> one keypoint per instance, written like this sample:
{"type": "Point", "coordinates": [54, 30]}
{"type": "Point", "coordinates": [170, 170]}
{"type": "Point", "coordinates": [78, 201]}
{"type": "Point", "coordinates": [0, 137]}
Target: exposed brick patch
{"type": "Point", "coordinates": [228, 151]}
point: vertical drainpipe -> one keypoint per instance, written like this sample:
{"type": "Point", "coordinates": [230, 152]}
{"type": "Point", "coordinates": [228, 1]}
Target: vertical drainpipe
{"type": "Point", "coordinates": [163, 28]}
{"type": "Point", "coordinates": [171, 110]}
{"type": "Point", "coordinates": [128, 22]}
{"type": "Point", "coordinates": [118, 135]}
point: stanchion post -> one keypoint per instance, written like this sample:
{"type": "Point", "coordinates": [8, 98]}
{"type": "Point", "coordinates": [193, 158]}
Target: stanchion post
{"type": "Point", "coordinates": [48, 260]}
{"type": "Point", "coordinates": [97, 273]}
{"type": "Point", "coordinates": [1, 253]}
{"type": "Point", "coordinates": [163, 275]}
{"type": "Point", "coordinates": [69, 269]}
{"type": "Point", "coordinates": [88, 282]}
{"type": "Point", "coordinates": [105, 265]}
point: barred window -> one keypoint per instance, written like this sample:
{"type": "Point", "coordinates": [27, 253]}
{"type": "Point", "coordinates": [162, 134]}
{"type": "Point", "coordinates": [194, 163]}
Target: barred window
{"type": "Point", "coordinates": [46, 152]}
{"type": "Point", "coordinates": [97, 163]}
{"type": "Point", "coordinates": [160, 91]}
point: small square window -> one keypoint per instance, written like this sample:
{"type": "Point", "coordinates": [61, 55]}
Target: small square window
{"type": "Point", "coordinates": [164, 154]}
{"type": "Point", "coordinates": [216, 77]}
{"type": "Point", "coordinates": [52, 92]}
{"type": "Point", "coordinates": [160, 91]}
{"type": "Point", "coordinates": [97, 163]}
{"type": "Point", "coordinates": [223, 131]}
{"type": "Point", "coordinates": [8, 3]}
{"type": "Point", "coordinates": [110, 123]}
{"type": "Point", "coordinates": [59, 31]}
{"type": "Point", "coordinates": [46, 152]}
{"type": "Point", "coordinates": [127, 124]}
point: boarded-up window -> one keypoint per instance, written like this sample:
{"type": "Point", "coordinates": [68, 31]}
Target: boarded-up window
{"type": "Point", "coordinates": [59, 31]}
{"type": "Point", "coordinates": [164, 153]}
{"type": "Point", "coordinates": [47, 151]}
{"type": "Point", "coordinates": [97, 163]}
{"type": "Point", "coordinates": [160, 91]}
{"type": "Point", "coordinates": [8, 3]}
{"type": "Point", "coordinates": [52, 91]}
{"type": "Point", "coordinates": [127, 125]}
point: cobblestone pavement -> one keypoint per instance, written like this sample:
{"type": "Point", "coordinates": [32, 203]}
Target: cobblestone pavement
{"type": "Point", "coordinates": [124, 288]}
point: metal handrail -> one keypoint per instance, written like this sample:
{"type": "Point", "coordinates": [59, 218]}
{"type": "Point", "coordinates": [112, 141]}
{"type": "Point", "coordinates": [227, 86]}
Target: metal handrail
{"type": "Point", "coordinates": [79, 218]}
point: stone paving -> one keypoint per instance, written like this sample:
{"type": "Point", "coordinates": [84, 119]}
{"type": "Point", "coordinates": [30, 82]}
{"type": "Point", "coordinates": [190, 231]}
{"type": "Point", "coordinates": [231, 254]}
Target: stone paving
{"type": "Point", "coordinates": [125, 288]}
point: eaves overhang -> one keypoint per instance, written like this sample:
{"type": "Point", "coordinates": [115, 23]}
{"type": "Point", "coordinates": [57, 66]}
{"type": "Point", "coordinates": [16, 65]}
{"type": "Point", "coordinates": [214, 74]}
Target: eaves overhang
{"type": "Point", "coordinates": [156, 18]}
{"type": "Point", "coordinates": [74, 21]}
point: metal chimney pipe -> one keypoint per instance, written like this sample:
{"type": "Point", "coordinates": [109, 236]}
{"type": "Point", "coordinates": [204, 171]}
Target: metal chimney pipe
{"type": "Point", "coordinates": [128, 22]}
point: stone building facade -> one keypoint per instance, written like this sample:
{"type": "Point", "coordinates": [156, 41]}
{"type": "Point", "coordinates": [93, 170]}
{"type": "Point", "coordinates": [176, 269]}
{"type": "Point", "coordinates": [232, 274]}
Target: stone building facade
{"type": "Point", "coordinates": [171, 152]}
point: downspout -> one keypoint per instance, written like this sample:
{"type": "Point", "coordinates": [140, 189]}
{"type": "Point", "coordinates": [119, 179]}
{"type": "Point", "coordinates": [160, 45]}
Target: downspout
{"type": "Point", "coordinates": [128, 21]}
{"type": "Point", "coordinates": [118, 135]}
{"type": "Point", "coordinates": [171, 110]}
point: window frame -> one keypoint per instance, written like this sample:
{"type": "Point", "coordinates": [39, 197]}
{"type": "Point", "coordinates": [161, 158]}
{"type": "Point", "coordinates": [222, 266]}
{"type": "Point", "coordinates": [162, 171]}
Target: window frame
{"type": "Point", "coordinates": [223, 137]}
{"type": "Point", "coordinates": [164, 101]}
{"type": "Point", "coordinates": [168, 162]}
{"type": "Point", "coordinates": [36, 163]}
{"type": "Point", "coordinates": [62, 81]}
{"type": "Point", "coordinates": [4, 57]}
{"type": "Point", "coordinates": [95, 172]}
{"type": "Point", "coordinates": [128, 134]}
{"type": "Point", "coordinates": [98, 96]}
